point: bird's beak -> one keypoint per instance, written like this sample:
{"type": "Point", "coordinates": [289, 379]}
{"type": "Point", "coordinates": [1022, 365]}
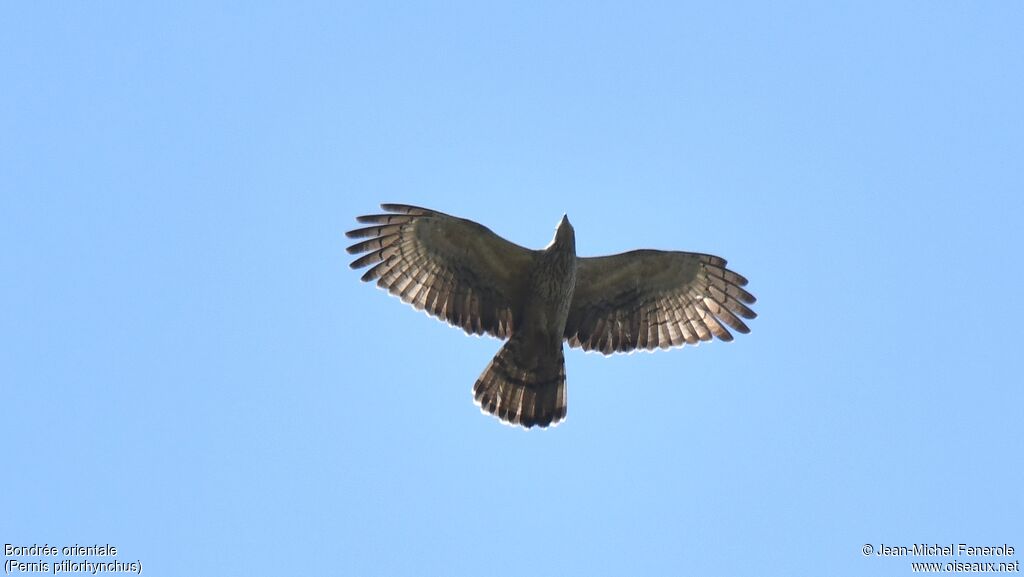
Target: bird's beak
{"type": "Point", "coordinates": [565, 220]}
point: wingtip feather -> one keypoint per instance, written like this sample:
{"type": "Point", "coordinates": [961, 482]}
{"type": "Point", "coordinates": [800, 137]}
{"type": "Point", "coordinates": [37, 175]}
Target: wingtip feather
{"type": "Point", "coordinates": [406, 209]}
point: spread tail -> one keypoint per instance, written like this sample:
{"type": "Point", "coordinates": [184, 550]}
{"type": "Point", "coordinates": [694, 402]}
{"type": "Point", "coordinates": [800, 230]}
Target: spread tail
{"type": "Point", "coordinates": [524, 387]}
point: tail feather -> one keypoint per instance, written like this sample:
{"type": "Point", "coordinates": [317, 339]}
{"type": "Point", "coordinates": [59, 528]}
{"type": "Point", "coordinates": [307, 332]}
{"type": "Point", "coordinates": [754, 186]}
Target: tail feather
{"type": "Point", "coordinates": [524, 389]}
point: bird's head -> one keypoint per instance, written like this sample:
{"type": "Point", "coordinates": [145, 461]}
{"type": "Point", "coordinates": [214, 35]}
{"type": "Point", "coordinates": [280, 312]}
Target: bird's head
{"type": "Point", "coordinates": [565, 235]}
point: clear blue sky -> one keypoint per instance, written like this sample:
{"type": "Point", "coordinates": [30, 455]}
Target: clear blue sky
{"type": "Point", "coordinates": [191, 372]}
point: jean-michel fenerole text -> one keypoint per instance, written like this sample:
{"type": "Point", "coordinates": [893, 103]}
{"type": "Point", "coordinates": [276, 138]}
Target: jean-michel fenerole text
{"type": "Point", "coordinates": [951, 550]}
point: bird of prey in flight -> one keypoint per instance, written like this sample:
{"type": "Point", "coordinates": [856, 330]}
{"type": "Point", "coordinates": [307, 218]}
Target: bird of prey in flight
{"type": "Point", "coordinates": [461, 272]}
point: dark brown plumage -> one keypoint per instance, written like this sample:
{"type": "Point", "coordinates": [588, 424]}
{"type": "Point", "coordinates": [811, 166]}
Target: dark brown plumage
{"type": "Point", "coordinates": [461, 272]}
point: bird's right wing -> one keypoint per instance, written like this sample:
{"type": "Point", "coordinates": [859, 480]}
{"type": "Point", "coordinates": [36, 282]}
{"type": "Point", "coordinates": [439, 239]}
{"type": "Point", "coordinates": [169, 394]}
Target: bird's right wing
{"type": "Point", "coordinates": [647, 299]}
{"type": "Point", "coordinates": [455, 269]}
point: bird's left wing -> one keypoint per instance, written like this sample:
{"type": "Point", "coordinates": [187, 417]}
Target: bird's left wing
{"type": "Point", "coordinates": [647, 299]}
{"type": "Point", "coordinates": [455, 269]}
